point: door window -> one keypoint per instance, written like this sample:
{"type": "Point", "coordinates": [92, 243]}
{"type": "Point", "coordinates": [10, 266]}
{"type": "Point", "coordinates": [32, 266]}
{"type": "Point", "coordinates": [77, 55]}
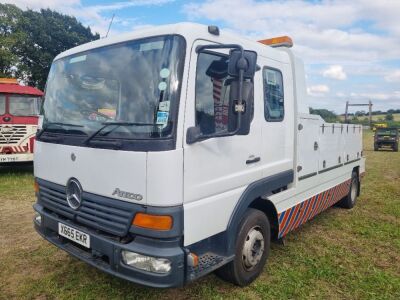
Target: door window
{"type": "Point", "coordinates": [212, 93]}
{"type": "Point", "coordinates": [273, 95]}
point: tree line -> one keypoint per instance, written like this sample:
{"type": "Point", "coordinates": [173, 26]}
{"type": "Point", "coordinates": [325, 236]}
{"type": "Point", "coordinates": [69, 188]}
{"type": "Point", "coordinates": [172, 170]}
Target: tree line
{"type": "Point", "coordinates": [29, 41]}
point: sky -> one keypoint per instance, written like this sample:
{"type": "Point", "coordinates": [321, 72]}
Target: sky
{"type": "Point", "coordinates": [351, 49]}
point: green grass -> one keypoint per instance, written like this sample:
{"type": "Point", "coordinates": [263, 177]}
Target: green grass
{"type": "Point", "coordinates": [341, 254]}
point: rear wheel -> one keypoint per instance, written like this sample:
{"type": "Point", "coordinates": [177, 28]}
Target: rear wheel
{"type": "Point", "coordinates": [350, 200]}
{"type": "Point", "coordinates": [251, 250]}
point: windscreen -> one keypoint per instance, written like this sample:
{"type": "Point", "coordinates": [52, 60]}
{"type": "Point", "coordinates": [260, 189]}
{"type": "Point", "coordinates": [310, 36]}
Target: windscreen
{"type": "Point", "coordinates": [387, 132]}
{"type": "Point", "coordinates": [20, 105]}
{"type": "Point", "coordinates": [136, 82]}
{"type": "Point", "coordinates": [2, 105]}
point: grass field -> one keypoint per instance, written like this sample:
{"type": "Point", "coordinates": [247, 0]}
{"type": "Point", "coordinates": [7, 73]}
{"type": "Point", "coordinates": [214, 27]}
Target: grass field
{"type": "Point", "coordinates": [341, 254]}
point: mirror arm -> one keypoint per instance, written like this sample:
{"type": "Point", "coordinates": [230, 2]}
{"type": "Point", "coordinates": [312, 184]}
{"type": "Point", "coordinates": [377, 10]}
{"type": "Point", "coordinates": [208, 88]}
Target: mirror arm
{"type": "Point", "coordinates": [200, 48]}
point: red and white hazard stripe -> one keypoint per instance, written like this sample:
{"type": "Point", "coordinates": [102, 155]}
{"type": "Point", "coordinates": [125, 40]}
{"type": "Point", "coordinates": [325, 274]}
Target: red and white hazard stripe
{"type": "Point", "coordinates": [20, 149]}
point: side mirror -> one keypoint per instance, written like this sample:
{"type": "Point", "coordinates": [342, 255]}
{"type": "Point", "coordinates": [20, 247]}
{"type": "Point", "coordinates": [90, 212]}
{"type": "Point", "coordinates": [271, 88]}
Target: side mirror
{"type": "Point", "coordinates": [248, 105]}
{"type": "Point", "coordinates": [247, 63]}
{"type": "Point", "coordinates": [193, 135]}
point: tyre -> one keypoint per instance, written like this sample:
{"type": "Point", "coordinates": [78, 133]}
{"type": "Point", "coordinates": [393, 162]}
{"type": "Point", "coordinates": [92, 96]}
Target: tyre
{"type": "Point", "coordinates": [396, 147]}
{"type": "Point", "coordinates": [251, 249]}
{"type": "Point", "coordinates": [376, 148]}
{"type": "Point", "coordinates": [350, 200]}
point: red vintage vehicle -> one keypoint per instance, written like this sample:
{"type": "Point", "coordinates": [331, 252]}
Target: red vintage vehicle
{"type": "Point", "coordinates": [19, 114]}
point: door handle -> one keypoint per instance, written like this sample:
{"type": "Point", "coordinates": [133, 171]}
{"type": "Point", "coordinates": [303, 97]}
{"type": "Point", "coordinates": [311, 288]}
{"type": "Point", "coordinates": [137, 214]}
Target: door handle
{"type": "Point", "coordinates": [252, 160]}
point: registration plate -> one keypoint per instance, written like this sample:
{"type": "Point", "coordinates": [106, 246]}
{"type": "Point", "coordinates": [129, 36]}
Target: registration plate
{"type": "Point", "coordinates": [74, 235]}
{"type": "Point", "coordinates": [8, 159]}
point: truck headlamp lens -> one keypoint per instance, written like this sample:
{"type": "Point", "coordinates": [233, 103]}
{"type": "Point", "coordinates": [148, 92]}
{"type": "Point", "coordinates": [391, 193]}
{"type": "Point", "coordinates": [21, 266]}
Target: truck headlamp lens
{"type": "Point", "coordinates": [146, 263]}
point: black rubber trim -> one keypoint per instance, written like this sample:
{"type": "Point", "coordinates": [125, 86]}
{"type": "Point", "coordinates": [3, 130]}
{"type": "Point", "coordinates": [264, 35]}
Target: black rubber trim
{"type": "Point", "coordinates": [351, 161]}
{"type": "Point", "coordinates": [102, 246]}
{"type": "Point", "coordinates": [255, 190]}
{"type": "Point", "coordinates": [330, 168]}
{"type": "Point", "coordinates": [308, 176]}
{"type": "Point", "coordinates": [156, 144]}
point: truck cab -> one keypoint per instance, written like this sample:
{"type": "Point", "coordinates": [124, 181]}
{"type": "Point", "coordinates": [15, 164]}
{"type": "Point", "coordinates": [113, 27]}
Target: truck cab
{"type": "Point", "coordinates": [172, 152]}
{"type": "Point", "coordinates": [19, 113]}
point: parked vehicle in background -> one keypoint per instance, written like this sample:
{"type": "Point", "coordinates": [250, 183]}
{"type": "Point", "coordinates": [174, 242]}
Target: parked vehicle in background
{"type": "Point", "coordinates": [19, 112]}
{"type": "Point", "coordinates": [386, 138]}
{"type": "Point", "coordinates": [172, 152]}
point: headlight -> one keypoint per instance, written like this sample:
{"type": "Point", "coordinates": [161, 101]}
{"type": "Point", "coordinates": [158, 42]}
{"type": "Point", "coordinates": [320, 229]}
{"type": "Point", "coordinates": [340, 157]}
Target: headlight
{"type": "Point", "coordinates": [146, 263]}
{"type": "Point", "coordinates": [38, 218]}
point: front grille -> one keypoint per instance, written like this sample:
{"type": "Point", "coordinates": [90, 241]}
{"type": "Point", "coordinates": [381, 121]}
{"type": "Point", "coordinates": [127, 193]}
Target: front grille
{"type": "Point", "coordinates": [12, 134]}
{"type": "Point", "coordinates": [96, 212]}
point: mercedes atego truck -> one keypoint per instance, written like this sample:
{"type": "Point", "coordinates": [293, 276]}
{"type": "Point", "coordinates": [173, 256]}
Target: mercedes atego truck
{"type": "Point", "coordinates": [175, 151]}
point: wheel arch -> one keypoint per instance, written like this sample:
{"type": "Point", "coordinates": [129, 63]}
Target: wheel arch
{"type": "Point", "coordinates": [269, 209]}
{"type": "Point", "coordinates": [251, 198]}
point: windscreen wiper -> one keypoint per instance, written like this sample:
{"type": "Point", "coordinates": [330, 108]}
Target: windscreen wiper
{"type": "Point", "coordinates": [117, 124]}
{"type": "Point", "coordinates": [58, 124]}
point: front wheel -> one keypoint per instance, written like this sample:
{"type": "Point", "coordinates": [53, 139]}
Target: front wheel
{"type": "Point", "coordinates": [251, 250]}
{"type": "Point", "coordinates": [350, 200]}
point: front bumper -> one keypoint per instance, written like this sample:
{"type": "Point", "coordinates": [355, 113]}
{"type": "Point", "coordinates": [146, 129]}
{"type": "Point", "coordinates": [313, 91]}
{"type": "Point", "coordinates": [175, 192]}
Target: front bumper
{"type": "Point", "coordinates": [11, 158]}
{"type": "Point", "coordinates": [105, 252]}
{"type": "Point", "coordinates": [386, 142]}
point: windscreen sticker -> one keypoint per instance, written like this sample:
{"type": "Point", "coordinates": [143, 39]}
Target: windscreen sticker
{"type": "Point", "coordinates": [271, 77]}
{"type": "Point", "coordinates": [164, 73]}
{"type": "Point", "coordinates": [164, 106]}
{"type": "Point", "coordinates": [152, 46]}
{"type": "Point", "coordinates": [109, 112]}
{"type": "Point", "coordinates": [162, 86]}
{"type": "Point", "coordinates": [162, 117]}
{"type": "Point", "coordinates": [77, 59]}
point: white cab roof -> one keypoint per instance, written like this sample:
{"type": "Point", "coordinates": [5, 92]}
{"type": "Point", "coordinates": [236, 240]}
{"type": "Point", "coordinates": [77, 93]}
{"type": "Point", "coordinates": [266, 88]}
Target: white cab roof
{"type": "Point", "coordinates": [191, 32]}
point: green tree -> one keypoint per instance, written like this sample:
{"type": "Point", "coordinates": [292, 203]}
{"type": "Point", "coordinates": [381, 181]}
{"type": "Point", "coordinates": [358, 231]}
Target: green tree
{"type": "Point", "coordinates": [34, 39]}
{"type": "Point", "coordinates": [327, 115]}
{"type": "Point", "coordinates": [10, 38]}
{"type": "Point", "coordinates": [389, 117]}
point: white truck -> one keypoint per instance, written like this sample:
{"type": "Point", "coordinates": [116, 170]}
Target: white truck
{"type": "Point", "coordinates": [175, 151]}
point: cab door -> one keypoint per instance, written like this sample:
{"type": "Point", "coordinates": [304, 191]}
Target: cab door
{"type": "Point", "coordinates": [277, 117]}
{"type": "Point", "coordinates": [216, 170]}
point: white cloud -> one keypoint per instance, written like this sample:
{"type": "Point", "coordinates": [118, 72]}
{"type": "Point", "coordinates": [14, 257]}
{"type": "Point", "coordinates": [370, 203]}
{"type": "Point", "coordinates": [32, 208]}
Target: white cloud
{"type": "Point", "coordinates": [335, 72]}
{"type": "Point", "coordinates": [323, 32]}
{"type": "Point", "coordinates": [318, 90]}
{"type": "Point", "coordinates": [393, 76]}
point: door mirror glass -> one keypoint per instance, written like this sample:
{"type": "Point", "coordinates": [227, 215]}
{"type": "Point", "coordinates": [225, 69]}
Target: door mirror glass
{"type": "Point", "coordinates": [248, 63]}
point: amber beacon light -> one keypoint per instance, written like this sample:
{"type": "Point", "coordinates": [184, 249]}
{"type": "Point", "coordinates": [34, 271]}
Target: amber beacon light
{"type": "Point", "coordinates": [280, 41]}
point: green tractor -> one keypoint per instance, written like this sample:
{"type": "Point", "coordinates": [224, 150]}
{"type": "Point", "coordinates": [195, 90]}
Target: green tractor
{"type": "Point", "coordinates": [386, 137]}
